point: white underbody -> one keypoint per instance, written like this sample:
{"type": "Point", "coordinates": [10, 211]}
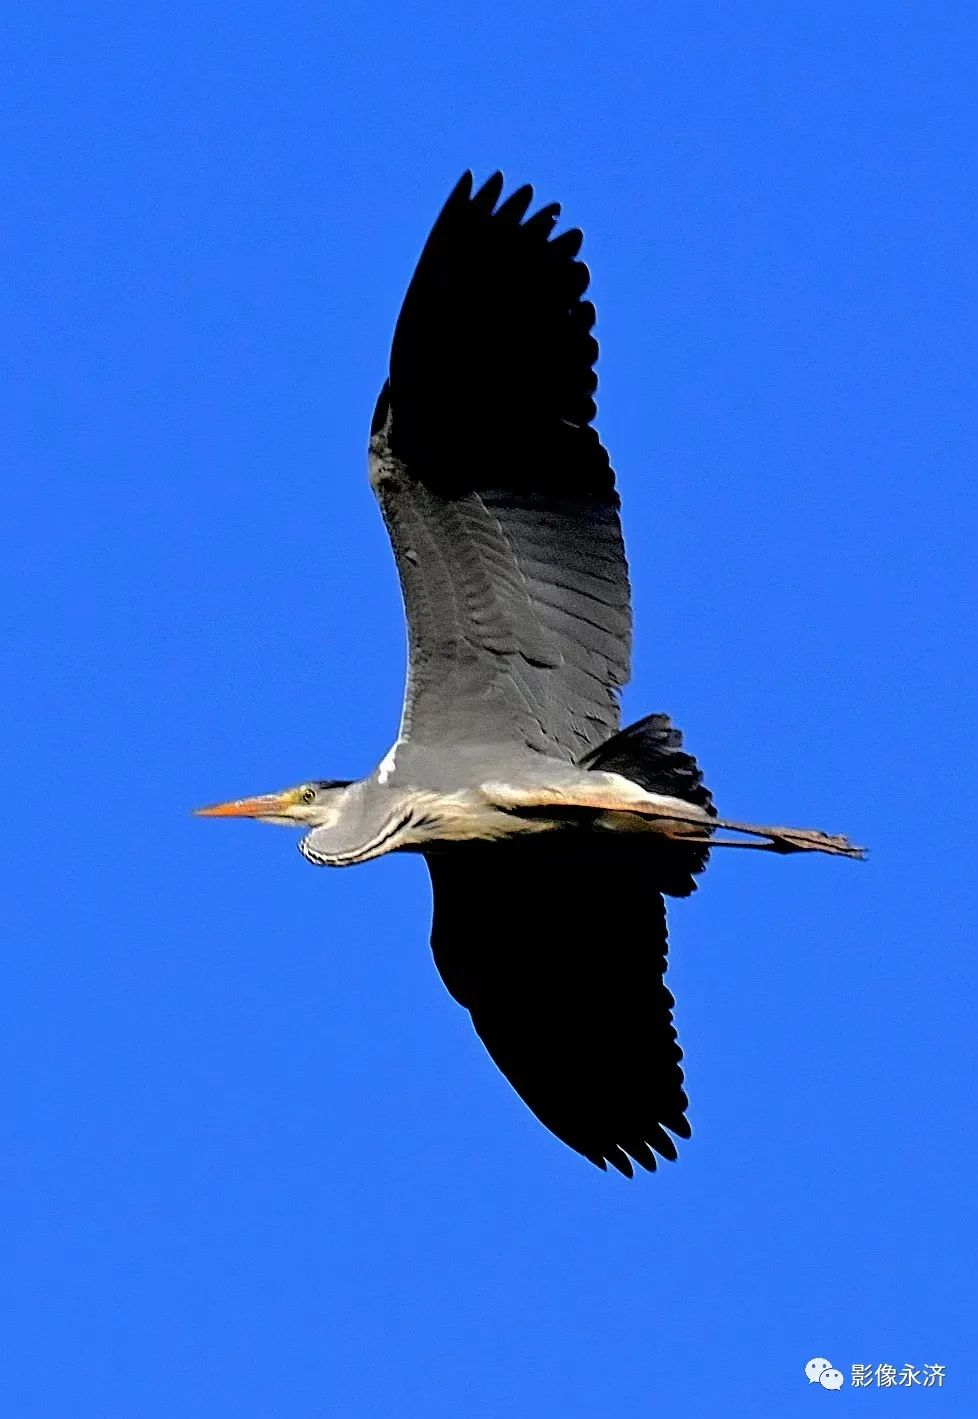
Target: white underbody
{"type": "Point", "coordinates": [495, 810]}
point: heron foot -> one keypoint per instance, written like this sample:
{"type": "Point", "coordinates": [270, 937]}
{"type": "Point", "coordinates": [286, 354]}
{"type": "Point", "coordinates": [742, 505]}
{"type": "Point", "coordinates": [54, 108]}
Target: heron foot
{"type": "Point", "coordinates": [789, 840]}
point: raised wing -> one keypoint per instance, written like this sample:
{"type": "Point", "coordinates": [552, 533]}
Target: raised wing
{"type": "Point", "coordinates": [497, 494]}
{"type": "Point", "coordinates": [557, 948]}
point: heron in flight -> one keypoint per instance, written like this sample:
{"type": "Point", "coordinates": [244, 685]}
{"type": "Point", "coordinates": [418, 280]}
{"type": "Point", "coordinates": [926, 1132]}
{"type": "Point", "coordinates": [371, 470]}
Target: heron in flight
{"type": "Point", "coordinates": [551, 835]}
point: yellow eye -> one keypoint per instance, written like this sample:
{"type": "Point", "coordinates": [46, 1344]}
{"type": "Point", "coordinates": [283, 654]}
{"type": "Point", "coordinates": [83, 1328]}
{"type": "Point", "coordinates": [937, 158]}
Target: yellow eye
{"type": "Point", "coordinates": [309, 795]}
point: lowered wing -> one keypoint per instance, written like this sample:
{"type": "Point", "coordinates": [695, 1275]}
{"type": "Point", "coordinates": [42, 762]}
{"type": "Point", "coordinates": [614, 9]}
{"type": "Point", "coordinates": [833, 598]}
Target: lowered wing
{"type": "Point", "coordinates": [557, 948]}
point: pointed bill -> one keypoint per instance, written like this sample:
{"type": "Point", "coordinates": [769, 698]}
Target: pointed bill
{"type": "Point", "coordinates": [266, 805]}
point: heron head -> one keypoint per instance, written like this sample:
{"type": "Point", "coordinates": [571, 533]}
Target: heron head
{"type": "Point", "coordinates": [309, 805]}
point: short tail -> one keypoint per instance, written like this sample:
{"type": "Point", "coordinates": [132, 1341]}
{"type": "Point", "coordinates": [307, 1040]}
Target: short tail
{"type": "Point", "coordinates": [650, 753]}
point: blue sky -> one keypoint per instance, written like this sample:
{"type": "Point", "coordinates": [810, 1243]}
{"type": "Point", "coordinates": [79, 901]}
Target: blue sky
{"type": "Point", "coordinates": [255, 1162]}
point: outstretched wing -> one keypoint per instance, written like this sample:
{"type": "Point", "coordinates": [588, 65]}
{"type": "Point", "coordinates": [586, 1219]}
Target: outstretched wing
{"type": "Point", "coordinates": [557, 948]}
{"type": "Point", "coordinates": [497, 494]}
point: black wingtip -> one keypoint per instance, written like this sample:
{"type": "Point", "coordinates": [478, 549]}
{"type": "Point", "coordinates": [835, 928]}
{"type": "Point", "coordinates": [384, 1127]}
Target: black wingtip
{"type": "Point", "coordinates": [620, 1160]}
{"type": "Point", "coordinates": [658, 1139]}
{"type": "Point", "coordinates": [489, 193]}
{"type": "Point", "coordinates": [544, 221]}
{"type": "Point", "coordinates": [569, 243]}
{"type": "Point", "coordinates": [515, 207]}
{"type": "Point", "coordinates": [462, 188]}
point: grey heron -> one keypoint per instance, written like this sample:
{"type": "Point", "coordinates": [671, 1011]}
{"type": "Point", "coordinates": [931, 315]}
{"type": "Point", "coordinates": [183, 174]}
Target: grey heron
{"type": "Point", "coordinates": [551, 835]}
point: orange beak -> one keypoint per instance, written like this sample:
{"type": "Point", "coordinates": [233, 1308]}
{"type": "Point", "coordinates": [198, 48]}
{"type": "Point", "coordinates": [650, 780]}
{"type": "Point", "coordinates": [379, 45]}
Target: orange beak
{"type": "Point", "coordinates": [267, 805]}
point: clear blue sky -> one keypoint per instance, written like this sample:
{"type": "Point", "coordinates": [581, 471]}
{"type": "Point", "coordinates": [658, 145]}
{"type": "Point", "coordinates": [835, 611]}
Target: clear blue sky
{"type": "Point", "coordinates": [255, 1164]}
